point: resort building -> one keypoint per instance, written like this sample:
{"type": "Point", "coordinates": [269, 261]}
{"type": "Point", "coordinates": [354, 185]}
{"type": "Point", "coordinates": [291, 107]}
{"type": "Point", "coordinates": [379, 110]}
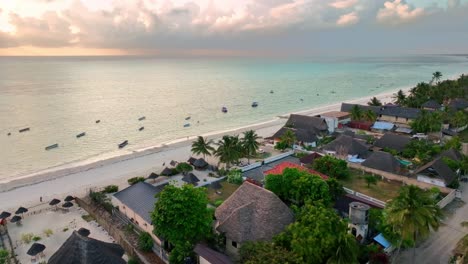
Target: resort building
{"type": "Point", "coordinates": [392, 141]}
{"type": "Point", "coordinates": [336, 119]}
{"type": "Point", "coordinates": [431, 105]}
{"type": "Point", "coordinates": [436, 172]}
{"type": "Point", "coordinates": [359, 220]}
{"type": "Point", "coordinates": [306, 138]}
{"type": "Point", "coordinates": [136, 203]}
{"type": "Point", "coordinates": [401, 116]}
{"type": "Point", "coordinates": [347, 147]}
{"type": "Point", "coordinates": [383, 161]}
{"type": "Point", "coordinates": [251, 213]}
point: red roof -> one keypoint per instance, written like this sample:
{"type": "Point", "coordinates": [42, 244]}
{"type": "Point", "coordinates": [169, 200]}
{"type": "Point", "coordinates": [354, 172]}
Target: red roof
{"type": "Point", "coordinates": [280, 168]}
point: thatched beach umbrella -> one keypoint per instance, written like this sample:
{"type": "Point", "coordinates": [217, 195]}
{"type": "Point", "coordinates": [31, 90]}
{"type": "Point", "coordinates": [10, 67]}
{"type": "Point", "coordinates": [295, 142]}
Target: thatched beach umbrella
{"type": "Point", "coordinates": [190, 178]}
{"type": "Point", "coordinates": [78, 248]}
{"type": "Point", "coordinates": [54, 202]}
{"type": "Point", "coordinates": [84, 232]}
{"type": "Point", "coordinates": [21, 210]}
{"type": "Point", "coordinates": [69, 198]}
{"type": "Point", "coordinates": [173, 163]}
{"type": "Point", "coordinates": [166, 172]}
{"type": "Point", "coordinates": [16, 219]}
{"type": "Point", "coordinates": [191, 160]}
{"type": "Point", "coordinates": [200, 164]}
{"type": "Point", "coordinates": [67, 205]}
{"type": "Point", "coordinates": [35, 249]}
{"type": "Point", "coordinates": [153, 176]}
{"type": "Point", "coordinates": [4, 215]}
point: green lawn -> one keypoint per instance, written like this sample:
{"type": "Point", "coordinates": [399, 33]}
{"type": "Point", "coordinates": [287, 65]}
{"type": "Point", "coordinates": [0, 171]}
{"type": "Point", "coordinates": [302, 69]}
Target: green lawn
{"type": "Point", "coordinates": [226, 191]}
{"type": "Point", "coordinates": [464, 136]}
{"type": "Point", "coordinates": [383, 190]}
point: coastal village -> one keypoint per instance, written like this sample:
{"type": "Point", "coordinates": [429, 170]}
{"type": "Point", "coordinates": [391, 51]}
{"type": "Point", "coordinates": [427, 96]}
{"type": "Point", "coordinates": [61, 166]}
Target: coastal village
{"type": "Point", "coordinates": [364, 184]}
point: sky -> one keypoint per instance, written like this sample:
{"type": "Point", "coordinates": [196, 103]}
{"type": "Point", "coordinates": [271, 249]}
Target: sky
{"type": "Point", "coordinates": [233, 27]}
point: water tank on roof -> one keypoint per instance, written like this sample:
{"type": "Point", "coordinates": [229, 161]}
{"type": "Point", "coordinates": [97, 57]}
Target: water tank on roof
{"type": "Point", "coordinates": [359, 213]}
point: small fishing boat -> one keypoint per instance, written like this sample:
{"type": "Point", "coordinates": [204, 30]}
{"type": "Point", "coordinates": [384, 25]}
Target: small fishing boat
{"type": "Point", "coordinates": [141, 118]}
{"type": "Point", "coordinates": [51, 147]}
{"type": "Point", "coordinates": [302, 100]}
{"type": "Point", "coordinates": [254, 104]}
{"type": "Point", "coordinates": [187, 125]}
{"type": "Point", "coordinates": [224, 109]}
{"type": "Point", "coordinates": [24, 129]}
{"type": "Point", "coordinates": [98, 121]}
{"type": "Point", "coordinates": [187, 118]}
{"type": "Point", "coordinates": [9, 133]}
{"type": "Point", "coordinates": [141, 128]}
{"type": "Point", "coordinates": [333, 92]}
{"type": "Point", "coordinates": [272, 91]}
{"type": "Point", "coordinates": [123, 144]}
{"type": "Point", "coordinates": [80, 134]}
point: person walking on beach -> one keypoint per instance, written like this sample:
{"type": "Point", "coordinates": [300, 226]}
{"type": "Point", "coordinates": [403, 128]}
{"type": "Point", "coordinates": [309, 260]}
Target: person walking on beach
{"type": "Point", "coordinates": [40, 199]}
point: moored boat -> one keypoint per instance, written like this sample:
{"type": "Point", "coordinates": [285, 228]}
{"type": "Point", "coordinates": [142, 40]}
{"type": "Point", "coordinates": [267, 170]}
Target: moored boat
{"type": "Point", "coordinates": [187, 118]}
{"type": "Point", "coordinates": [141, 118]}
{"type": "Point", "coordinates": [123, 144]}
{"type": "Point", "coordinates": [271, 91]}
{"type": "Point", "coordinates": [51, 147]}
{"type": "Point", "coordinates": [98, 121]}
{"type": "Point", "coordinates": [254, 104]}
{"type": "Point", "coordinates": [24, 129]}
{"type": "Point", "coordinates": [187, 125]}
{"type": "Point", "coordinates": [141, 128]}
{"type": "Point", "coordinates": [80, 134]}
{"type": "Point", "coordinates": [224, 109]}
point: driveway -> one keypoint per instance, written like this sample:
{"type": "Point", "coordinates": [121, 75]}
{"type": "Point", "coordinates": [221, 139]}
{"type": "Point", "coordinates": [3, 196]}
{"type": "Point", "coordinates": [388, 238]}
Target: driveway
{"type": "Point", "coordinates": [438, 247]}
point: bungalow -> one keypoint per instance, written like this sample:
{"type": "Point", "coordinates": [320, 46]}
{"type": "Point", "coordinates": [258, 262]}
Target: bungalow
{"type": "Point", "coordinates": [335, 119]}
{"type": "Point", "coordinates": [251, 213]}
{"type": "Point", "coordinates": [303, 137]}
{"type": "Point", "coordinates": [392, 141]}
{"type": "Point", "coordinates": [311, 123]}
{"type": "Point", "coordinates": [137, 202]}
{"type": "Point", "coordinates": [436, 172]}
{"type": "Point", "coordinates": [383, 161]}
{"type": "Point", "coordinates": [345, 146]}
{"type": "Point", "coordinates": [400, 115]}
{"type": "Point", "coordinates": [431, 105]}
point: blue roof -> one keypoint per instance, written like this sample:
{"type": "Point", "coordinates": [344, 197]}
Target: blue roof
{"type": "Point", "coordinates": [383, 125]}
{"type": "Point", "coordinates": [382, 241]}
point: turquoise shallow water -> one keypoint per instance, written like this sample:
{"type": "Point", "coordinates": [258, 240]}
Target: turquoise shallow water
{"type": "Point", "coordinates": [61, 97]}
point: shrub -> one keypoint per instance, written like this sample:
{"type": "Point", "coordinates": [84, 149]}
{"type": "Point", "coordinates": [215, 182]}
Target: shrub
{"type": "Point", "coordinates": [36, 238]}
{"type": "Point", "coordinates": [134, 180]}
{"type": "Point", "coordinates": [111, 189]}
{"type": "Point", "coordinates": [145, 242]}
{"type": "Point", "coordinates": [218, 202]}
{"type": "Point", "coordinates": [332, 167]}
{"type": "Point", "coordinates": [65, 229]}
{"type": "Point", "coordinates": [235, 177]}
{"type": "Point", "coordinates": [132, 260]}
{"type": "Point", "coordinates": [48, 232]}
{"type": "Point", "coordinates": [184, 167]}
{"type": "Point", "coordinates": [27, 237]}
{"type": "Point", "coordinates": [4, 256]}
{"type": "Point", "coordinates": [222, 172]}
{"type": "Point", "coordinates": [88, 218]}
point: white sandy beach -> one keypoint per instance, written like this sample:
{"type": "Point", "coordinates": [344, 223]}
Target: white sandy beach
{"type": "Point", "coordinates": [77, 180]}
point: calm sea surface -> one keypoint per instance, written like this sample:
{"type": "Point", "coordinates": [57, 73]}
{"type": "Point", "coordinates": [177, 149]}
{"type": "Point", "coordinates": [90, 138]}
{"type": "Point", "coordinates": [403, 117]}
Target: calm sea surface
{"type": "Point", "coordinates": [59, 98]}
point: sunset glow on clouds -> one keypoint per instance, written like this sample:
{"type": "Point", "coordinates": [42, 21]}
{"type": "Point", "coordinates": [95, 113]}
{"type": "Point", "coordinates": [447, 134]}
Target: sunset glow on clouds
{"type": "Point", "coordinates": [237, 26]}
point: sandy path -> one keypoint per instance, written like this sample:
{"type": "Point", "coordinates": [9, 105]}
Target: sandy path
{"type": "Point", "coordinates": [78, 180]}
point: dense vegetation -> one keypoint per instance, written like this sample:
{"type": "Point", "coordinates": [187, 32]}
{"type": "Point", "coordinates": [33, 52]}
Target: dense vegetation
{"type": "Point", "coordinates": [145, 242]}
{"type": "Point", "coordinates": [331, 166]}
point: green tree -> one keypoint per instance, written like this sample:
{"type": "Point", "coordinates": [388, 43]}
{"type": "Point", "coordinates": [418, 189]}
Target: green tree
{"type": "Point", "coordinates": [4, 256]}
{"type": "Point", "coordinates": [370, 179]}
{"type": "Point", "coordinates": [202, 146]}
{"type": "Point", "coordinates": [288, 138]}
{"type": "Point", "coordinates": [374, 102]}
{"type": "Point", "coordinates": [413, 214]}
{"type": "Point", "coordinates": [181, 217]}
{"type": "Point", "coordinates": [266, 253]}
{"type": "Point", "coordinates": [145, 242]}
{"type": "Point", "coordinates": [317, 227]}
{"type": "Point", "coordinates": [399, 98]}
{"type": "Point", "coordinates": [427, 122]}
{"type": "Point", "coordinates": [459, 119]}
{"type": "Point", "coordinates": [453, 143]}
{"type": "Point", "coordinates": [336, 189]}
{"type": "Point", "coordinates": [356, 113]}
{"type": "Point", "coordinates": [184, 167]}
{"type": "Point", "coordinates": [436, 77]}
{"type": "Point", "coordinates": [347, 250]}
{"type": "Point", "coordinates": [229, 150]}
{"type": "Point", "coordinates": [250, 144]}
{"type": "Point", "coordinates": [370, 116]}
{"type": "Point", "coordinates": [332, 167]}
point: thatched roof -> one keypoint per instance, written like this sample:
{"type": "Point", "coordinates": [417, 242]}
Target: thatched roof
{"type": "Point", "coordinates": [153, 176]}
{"type": "Point", "coordinates": [200, 163]}
{"type": "Point", "coordinates": [393, 141]}
{"type": "Point", "coordinates": [311, 123]}
{"type": "Point", "coordinates": [437, 169]}
{"type": "Point", "coordinates": [252, 213]}
{"type": "Point", "coordinates": [190, 178]}
{"type": "Point", "coordinates": [166, 172]}
{"type": "Point", "coordinates": [383, 161]}
{"type": "Point", "coordinates": [21, 210]}
{"type": "Point", "coordinates": [346, 145]}
{"type": "Point", "coordinates": [403, 112]}
{"type": "Point", "coordinates": [191, 160]}
{"type": "Point", "coordinates": [85, 250]}
{"type": "Point", "coordinates": [452, 154]}
{"type": "Point", "coordinates": [216, 185]}
{"type": "Point", "coordinates": [302, 135]}
{"type": "Point", "coordinates": [309, 159]}
{"type": "Point", "coordinates": [431, 104]}
{"type": "Point", "coordinates": [54, 201]}
{"type": "Point", "coordinates": [35, 249]}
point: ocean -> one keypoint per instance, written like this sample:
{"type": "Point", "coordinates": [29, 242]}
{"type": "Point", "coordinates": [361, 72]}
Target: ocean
{"type": "Point", "coordinates": [60, 97]}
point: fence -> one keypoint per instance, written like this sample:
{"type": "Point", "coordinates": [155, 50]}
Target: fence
{"type": "Point", "coordinates": [447, 199]}
{"type": "Point", "coordinates": [365, 197]}
{"type": "Point", "coordinates": [251, 166]}
{"type": "Point", "coordinates": [278, 157]}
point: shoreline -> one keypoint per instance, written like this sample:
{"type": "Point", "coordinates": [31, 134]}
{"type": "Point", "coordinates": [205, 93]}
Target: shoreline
{"type": "Point", "coordinates": [76, 167]}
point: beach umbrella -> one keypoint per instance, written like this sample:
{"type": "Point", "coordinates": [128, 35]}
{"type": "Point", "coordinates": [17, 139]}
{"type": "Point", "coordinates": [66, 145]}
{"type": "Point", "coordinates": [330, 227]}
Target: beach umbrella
{"type": "Point", "coordinates": [35, 249]}
{"type": "Point", "coordinates": [54, 202]}
{"type": "Point", "coordinates": [21, 210]}
{"type": "Point", "coordinates": [69, 198]}
{"type": "Point", "coordinates": [4, 215]}
{"type": "Point", "coordinates": [190, 178]}
{"type": "Point", "coordinates": [67, 205]}
{"type": "Point", "coordinates": [153, 176]}
{"type": "Point", "coordinates": [84, 232]}
{"type": "Point", "coordinates": [15, 219]}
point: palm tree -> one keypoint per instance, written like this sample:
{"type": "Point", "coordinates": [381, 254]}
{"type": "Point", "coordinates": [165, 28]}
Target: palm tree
{"type": "Point", "coordinates": [229, 150]}
{"type": "Point", "coordinates": [369, 115]}
{"type": "Point", "coordinates": [250, 143]}
{"type": "Point", "coordinates": [399, 97]}
{"type": "Point", "coordinates": [346, 252]}
{"type": "Point", "coordinates": [202, 146]}
{"type": "Point", "coordinates": [356, 113]}
{"type": "Point", "coordinates": [288, 138]}
{"type": "Point", "coordinates": [413, 214]}
{"type": "Point", "coordinates": [374, 102]}
{"type": "Point", "coordinates": [436, 76]}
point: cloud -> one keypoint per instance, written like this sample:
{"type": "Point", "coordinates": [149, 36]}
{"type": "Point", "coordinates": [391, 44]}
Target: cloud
{"type": "Point", "coordinates": [398, 12]}
{"type": "Point", "coordinates": [342, 4]}
{"type": "Point", "coordinates": [348, 19]}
